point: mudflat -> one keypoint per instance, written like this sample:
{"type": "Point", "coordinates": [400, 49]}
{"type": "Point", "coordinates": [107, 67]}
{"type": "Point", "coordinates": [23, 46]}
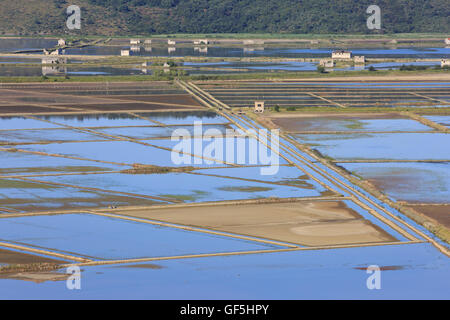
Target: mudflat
{"type": "Point", "coordinates": [182, 99]}
{"type": "Point", "coordinates": [438, 212]}
{"type": "Point", "coordinates": [310, 223]}
{"type": "Point", "coordinates": [14, 257]}
{"type": "Point", "coordinates": [302, 122]}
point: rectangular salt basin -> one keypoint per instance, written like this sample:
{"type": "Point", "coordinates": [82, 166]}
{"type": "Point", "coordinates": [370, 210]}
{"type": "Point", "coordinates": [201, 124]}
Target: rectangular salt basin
{"type": "Point", "coordinates": [357, 124]}
{"type": "Point", "coordinates": [188, 187]}
{"type": "Point", "coordinates": [115, 92]}
{"type": "Point", "coordinates": [397, 146]}
{"type": "Point", "coordinates": [239, 150]}
{"type": "Point", "coordinates": [126, 152]}
{"type": "Point", "coordinates": [107, 238]}
{"type": "Point", "coordinates": [413, 271]}
{"type": "Point", "coordinates": [26, 163]}
{"type": "Point", "coordinates": [284, 175]}
{"type": "Point", "coordinates": [34, 196]}
{"type": "Point", "coordinates": [154, 132]}
{"type": "Point", "coordinates": [443, 120]}
{"type": "Point", "coordinates": [412, 182]}
{"type": "Point", "coordinates": [122, 152]}
{"type": "Point", "coordinates": [352, 84]}
{"type": "Point", "coordinates": [19, 136]}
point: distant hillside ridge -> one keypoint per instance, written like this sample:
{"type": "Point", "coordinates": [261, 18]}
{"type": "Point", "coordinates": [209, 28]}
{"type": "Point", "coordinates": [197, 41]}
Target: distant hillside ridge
{"type": "Point", "coordinates": [125, 17]}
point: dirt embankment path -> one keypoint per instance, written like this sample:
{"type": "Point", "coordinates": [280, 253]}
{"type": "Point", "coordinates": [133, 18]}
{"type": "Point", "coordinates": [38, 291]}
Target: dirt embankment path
{"type": "Point", "coordinates": [355, 78]}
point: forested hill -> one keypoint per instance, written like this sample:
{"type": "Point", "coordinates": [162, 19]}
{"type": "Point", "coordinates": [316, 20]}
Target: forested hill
{"type": "Point", "coordinates": [121, 17]}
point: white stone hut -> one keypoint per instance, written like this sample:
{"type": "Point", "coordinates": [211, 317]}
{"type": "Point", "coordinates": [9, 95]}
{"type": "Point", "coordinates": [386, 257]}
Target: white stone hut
{"type": "Point", "coordinates": [259, 106]}
{"type": "Point", "coordinates": [341, 54]}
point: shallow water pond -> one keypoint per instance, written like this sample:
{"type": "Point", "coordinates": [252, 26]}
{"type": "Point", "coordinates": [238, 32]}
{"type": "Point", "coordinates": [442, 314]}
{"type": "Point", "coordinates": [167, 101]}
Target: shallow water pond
{"type": "Point", "coordinates": [415, 271]}
{"type": "Point", "coordinates": [20, 136]}
{"type": "Point", "coordinates": [233, 150]}
{"type": "Point", "coordinates": [356, 124]}
{"type": "Point", "coordinates": [97, 120]}
{"type": "Point", "coordinates": [398, 146]}
{"type": "Point", "coordinates": [187, 118]}
{"type": "Point", "coordinates": [36, 196]}
{"type": "Point", "coordinates": [188, 187]}
{"type": "Point", "coordinates": [443, 120]}
{"type": "Point", "coordinates": [285, 175]}
{"type": "Point", "coordinates": [412, 182]}
{"type": "Point", "coordinates": [100, 237]}
{"type": "Point", "coordinates": [154, 132]}
{"type": "Point", "coordinates": [124, 152]}
{"type": "Point", "coordinates": [23, 123]}
{"type": "Point", "coordinates": [25, 163]}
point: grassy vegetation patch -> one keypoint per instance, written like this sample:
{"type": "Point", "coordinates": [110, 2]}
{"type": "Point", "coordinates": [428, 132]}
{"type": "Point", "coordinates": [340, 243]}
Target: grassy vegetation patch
{"type": "Point", "coordinates": [196, 194]}
{"type": "Point", "coordinates": [152, 169]}
{"type": "Point", "coordinates": [53, 169]}
{"type": "Point", "coordinates": [32, 267]}
{"type": "Point", "coordinates": [355, 125]}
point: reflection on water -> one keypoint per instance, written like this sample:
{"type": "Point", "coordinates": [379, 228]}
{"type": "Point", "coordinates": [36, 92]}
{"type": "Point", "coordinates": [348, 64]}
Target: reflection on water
{"type": "Point", "coordinates": [214, 51]}
{"type": "Point", "coordinates": [10, 45]}
{"type": "Point", "coordinates": [224, 67]}
{"type": "Point", "coordinates": [96, 120]}
{"type": "Point", "coordinates": [185, 117]}
{"type": "Point", "coordinates": [121, 119]}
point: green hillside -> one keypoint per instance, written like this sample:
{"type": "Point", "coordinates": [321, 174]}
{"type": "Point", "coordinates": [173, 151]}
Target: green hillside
{"type": "Point", "coordinates": [122, 17]}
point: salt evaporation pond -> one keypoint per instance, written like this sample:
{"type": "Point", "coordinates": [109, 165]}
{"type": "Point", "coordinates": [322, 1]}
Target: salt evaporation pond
{"type": "Point", "coordinates": [398, 146]}
{"type": "Point", "coordinates": [412, 182]}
